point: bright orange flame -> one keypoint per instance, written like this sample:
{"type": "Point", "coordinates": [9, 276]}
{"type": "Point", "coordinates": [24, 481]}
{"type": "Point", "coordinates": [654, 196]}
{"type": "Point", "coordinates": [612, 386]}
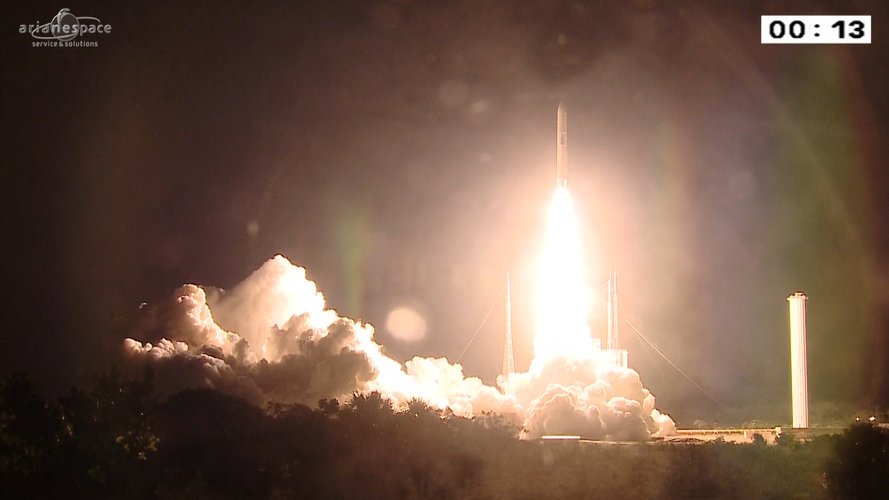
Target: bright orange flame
{"type": "Point", "coordinates": [562, 300]}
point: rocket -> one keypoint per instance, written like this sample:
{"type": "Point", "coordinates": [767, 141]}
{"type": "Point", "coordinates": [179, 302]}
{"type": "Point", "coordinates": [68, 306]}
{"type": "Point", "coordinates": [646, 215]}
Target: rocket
{"type": "Point", "coordinates": [562, 147]}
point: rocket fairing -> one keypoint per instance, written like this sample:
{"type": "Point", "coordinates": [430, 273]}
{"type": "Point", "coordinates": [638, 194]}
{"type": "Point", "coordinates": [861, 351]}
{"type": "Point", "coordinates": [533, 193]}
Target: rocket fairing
{"type": "Point", "coordinates": [562, 147]}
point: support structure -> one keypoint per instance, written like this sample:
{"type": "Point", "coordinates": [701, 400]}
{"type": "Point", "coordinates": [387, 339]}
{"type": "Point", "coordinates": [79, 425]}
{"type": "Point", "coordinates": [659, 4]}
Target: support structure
{"type": "Point", "coordinates": [612, 343]}
{"type": "Point", "coordinates": [508, 356]}
{"type": "Point", "coordinates": [798, 368]}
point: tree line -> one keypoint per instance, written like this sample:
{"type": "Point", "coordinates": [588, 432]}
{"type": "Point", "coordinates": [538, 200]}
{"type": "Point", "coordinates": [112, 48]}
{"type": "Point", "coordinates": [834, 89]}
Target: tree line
{"type": "Point", "coordinates": [117, 439]}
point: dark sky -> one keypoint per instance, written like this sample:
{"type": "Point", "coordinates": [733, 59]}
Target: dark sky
{"type": "Point", "coordinates": [403, 152]}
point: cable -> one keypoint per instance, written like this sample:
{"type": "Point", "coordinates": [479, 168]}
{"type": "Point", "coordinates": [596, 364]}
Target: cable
{"type": "Point", "coordinates": [474, 335]}
{"type": "Point", "coordinates": [601, 285]}
{"type": "Point", "coordinates": [704, 391]}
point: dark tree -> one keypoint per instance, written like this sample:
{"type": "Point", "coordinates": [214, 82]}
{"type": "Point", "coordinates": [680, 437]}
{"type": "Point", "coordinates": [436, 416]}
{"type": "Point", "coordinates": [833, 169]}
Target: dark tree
{"type": "Point", "coordinates": [859, 468]}
{"type": "Point", "coordinates": [31, 431]}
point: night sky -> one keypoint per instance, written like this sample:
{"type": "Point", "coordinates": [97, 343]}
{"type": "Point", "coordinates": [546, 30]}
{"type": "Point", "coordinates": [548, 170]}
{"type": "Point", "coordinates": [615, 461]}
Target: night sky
{"type": "Point", "coordinates": [404, 152]}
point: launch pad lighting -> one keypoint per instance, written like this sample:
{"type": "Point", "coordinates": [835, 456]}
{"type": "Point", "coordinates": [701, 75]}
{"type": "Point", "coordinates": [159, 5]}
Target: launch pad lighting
{"type": "Point", "coordinates": [560, 437]}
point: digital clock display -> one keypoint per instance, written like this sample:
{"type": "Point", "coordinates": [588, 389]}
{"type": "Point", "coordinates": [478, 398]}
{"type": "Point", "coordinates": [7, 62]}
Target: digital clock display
{"type": "Point", "coordinates": [815, 29]}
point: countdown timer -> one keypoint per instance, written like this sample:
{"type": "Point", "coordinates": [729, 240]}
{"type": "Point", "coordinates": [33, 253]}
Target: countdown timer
{"type": "Point", "coordinates": [815, 29]}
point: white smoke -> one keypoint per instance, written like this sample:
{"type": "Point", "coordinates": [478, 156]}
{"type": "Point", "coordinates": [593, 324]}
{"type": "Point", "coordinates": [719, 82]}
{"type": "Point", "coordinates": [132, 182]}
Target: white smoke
{"type": "Point", "coordinates": [271, 338]}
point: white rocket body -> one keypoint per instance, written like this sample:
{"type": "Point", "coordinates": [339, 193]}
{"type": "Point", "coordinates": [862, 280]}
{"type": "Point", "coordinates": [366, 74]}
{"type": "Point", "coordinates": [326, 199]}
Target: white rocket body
{"type": "Point", "coordinates": [562, 147]}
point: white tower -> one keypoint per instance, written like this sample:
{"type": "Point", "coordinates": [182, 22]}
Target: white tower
{"type": "Point", "coordinates": [798, 370]}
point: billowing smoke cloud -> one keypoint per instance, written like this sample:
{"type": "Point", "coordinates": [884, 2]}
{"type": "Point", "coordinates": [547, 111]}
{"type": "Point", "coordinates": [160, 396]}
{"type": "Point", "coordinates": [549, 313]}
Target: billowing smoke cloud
{"type": "Point", "coordinates": [589, 396]}
{"type": "Point", "coordinates": [271, 338]}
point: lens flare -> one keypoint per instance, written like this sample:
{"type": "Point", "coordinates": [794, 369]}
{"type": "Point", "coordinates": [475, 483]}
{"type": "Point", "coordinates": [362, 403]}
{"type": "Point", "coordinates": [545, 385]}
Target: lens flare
{"type": "Point", "coordinates": [562, 300]}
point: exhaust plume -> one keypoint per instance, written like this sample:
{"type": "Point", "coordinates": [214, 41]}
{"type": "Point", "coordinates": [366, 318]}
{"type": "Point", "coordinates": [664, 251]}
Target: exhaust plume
{"type": "Point", "coordinates": [271, 338]}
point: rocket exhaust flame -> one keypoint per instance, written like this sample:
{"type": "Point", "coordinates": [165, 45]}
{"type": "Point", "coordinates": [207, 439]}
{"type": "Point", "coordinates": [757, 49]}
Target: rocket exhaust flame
{"type": "Point", "coordinates": [562, 299]}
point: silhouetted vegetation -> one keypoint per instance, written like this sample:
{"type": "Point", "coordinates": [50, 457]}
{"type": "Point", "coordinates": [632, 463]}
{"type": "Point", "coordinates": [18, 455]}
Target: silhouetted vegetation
{"type": "Point", "coordinates": [859, 468]}
{"type": "Point", "coordinates": [117, 440]}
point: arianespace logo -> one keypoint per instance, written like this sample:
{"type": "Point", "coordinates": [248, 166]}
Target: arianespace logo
{"type": "Point", "coordinates": [64, 30]}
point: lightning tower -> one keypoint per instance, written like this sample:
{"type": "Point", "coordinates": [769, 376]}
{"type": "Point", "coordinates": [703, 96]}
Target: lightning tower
{"type": "Point", "coordinates": [613, 342]}
{"type": "Point", "coordinates": [508, 356]}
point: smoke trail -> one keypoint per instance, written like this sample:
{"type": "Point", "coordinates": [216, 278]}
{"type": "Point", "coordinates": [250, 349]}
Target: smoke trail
{"type": "Point", "coordinates": [271, 338]}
